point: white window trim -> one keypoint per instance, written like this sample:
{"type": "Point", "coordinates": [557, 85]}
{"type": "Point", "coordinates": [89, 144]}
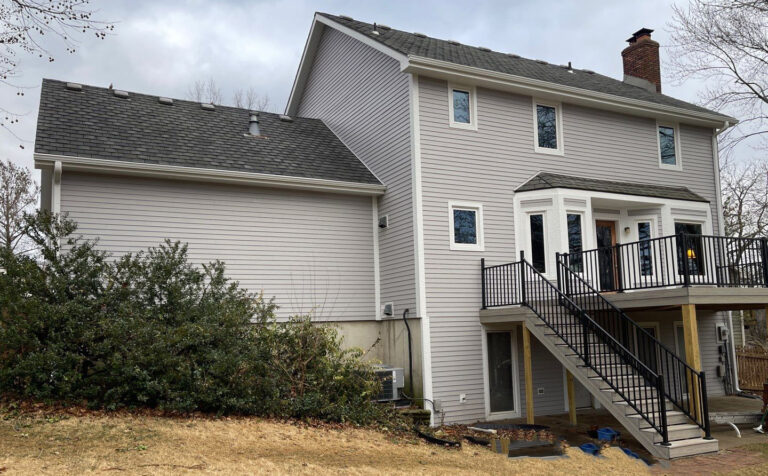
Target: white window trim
{"type": "Point", "coordinates": [558, 125]}
{"type": "Point", "coordinates": [478, 209]}
{"type": "Point", "coordinates": [678, 155]}
{"type": "Point", "coordinates": [472, 126]}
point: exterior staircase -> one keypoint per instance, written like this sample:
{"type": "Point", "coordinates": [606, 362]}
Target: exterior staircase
{"type": "Point", "coordinates": [662, 403]}
{"type": "Point", "coordinates": [685, 437]}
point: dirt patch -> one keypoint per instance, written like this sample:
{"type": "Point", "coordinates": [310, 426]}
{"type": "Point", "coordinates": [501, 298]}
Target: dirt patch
{"type": "Point", "coordinates": [140, 444]}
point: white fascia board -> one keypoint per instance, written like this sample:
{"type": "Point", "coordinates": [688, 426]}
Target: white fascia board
{"type": "Point", "coordinates": [548, 90]}
{"type": "Point", "coordinates": [115, 167]}
{"type": "Point", "coordinates": [310, 48]}
{"type": "Point", "coordinates": [640, 200]}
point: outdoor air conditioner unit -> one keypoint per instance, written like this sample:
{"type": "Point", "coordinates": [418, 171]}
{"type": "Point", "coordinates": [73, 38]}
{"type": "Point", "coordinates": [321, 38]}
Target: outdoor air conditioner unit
{"type": "Point", "coordinates": [392, 381]}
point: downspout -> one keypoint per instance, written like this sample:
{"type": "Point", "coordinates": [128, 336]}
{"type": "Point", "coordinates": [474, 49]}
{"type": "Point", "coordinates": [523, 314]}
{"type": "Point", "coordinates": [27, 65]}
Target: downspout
{"type": "Point", "coordinates": [721, 230]}
{"type": "Point", "coordinates": [56, 188]}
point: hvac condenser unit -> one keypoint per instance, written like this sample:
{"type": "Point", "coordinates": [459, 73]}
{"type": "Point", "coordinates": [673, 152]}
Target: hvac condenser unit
{"type": "Point", "coordinates": [392, 381]}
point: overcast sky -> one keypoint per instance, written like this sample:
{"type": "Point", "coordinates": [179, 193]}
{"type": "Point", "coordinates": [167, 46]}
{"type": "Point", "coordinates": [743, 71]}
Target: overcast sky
{"type": "Point", "coordinates": [161, 47]}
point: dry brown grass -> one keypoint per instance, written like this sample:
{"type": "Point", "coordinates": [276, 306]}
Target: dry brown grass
{"type": "Point", "coordinates": [38, 444]}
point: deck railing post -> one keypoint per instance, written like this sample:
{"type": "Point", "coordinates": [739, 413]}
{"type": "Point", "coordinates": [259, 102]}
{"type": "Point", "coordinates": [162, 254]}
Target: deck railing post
{"type": "Point", "coordinates": [686, 265]}
{"type": "Point", "coordinates": [662, 410]}
{"type": "Point", "coordinates": [557, 271]}
{"type": "Point", "coordinates": [764, 259]}
{"type": "Point", "coordinates": [523, 299]}
{"type": "Point", "coordinates": [619, 273]}
{"type": "Point", "coordinates": [482, 281]}
{"type": "Point", "coordinates": [705, 406]}
{"type": "Point", "coordinates": [585, 335]}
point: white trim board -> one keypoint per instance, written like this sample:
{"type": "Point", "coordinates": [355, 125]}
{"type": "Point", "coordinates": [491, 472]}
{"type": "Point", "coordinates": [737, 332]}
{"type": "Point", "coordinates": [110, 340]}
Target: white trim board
{"type": "Point", "coordinates": [175, 172]}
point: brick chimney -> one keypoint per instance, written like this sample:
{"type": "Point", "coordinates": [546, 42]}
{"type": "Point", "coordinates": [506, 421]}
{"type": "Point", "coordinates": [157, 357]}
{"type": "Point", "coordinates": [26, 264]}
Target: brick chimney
{"type": "Point", "coordinates": [641, 61]}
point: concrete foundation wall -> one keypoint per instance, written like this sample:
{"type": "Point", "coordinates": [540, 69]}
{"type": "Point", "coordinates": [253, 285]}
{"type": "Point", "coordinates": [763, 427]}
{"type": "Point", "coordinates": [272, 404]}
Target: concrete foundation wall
{"type": "Point", "coordinates": [386, 341]}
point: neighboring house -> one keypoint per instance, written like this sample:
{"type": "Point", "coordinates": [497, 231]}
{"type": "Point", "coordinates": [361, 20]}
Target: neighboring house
{"type": "Point", "coordinates": [403, 162]}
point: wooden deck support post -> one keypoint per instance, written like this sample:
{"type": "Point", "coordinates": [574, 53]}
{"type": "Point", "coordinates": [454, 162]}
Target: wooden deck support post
{"type": "Point", "coordinates": [528, 375]}
{"type": "Point", "coordinates": [571, 397]}
{"type": "Point", "coordinates": [692, 353]}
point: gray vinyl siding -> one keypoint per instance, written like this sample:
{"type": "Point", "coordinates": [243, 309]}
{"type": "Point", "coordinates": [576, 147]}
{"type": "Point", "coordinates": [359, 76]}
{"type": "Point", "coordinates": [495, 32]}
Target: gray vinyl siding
{"type": "Point", "coordinates": [362, 96]}
{"type": "Point", "coordinates": [707, 322]}
{"type": "Point", "coordinates": [313, 251]}
{"type": "Point", "coordinates": [485, 166]}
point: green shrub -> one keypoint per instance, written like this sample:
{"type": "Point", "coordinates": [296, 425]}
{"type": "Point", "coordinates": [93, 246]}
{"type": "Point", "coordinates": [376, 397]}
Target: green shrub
{"type": "Point", "coordinates": [153, 330]}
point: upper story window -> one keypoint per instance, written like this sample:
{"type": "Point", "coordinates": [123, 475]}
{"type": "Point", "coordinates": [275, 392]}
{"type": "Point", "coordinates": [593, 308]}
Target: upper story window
{"type": "Point", "coordinates": [547, 127]}
{"type": "Point", "coordinates": [462, 107]}
{"type": "Point", "coordinates": [466, 226]}
{"type": "Point", "coordinates": [669, 146]}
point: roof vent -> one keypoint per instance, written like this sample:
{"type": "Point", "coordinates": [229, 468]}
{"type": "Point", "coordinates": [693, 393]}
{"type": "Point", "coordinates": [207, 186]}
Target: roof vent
{"type": "Point", "coordinates": [569, 67]}
{"type": "Point", "coordinates": [208, 107]}
{"type": "Point", "coordinates": [121, 94]}
{"type": "Point", "coordinates": [385, 27]}
{"type": "Point", "coordinates": [253, 124]}
{"type": "Point", "coordinates": [163, 100]}
{"type": "Point", "coordinates": [483, 48]}
{"type": "Point", "coordinates": [285, 118]}
{"type": "Point", "coordinates": [74, 86]}
{"type": "Point", "coordinates": [374, 32]}
{"type": "Point", "coordinates": [512, 55]}
{"type": "Point", "coordinates": [588, 71]}
{"type": "Point", "coordinates": [541, 61]}
{"type": "Point", "coordinates": [453, 42]}
{"type": "Point", "coordinates": [420, 35]}
{"type": "Point", "coordinates": [345, 17]}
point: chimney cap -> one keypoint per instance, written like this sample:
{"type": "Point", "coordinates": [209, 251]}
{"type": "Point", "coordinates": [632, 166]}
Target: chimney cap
{"type": "Point", "coordinates": [639, 34]}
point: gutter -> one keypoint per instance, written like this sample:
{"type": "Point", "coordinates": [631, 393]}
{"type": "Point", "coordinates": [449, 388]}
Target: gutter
{"type": "Point", "coordinates": [175, 172]}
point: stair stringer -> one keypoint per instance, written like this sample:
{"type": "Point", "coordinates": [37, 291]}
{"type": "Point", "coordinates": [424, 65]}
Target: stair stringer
{"type": "Point", "coordinates": [575, 366]}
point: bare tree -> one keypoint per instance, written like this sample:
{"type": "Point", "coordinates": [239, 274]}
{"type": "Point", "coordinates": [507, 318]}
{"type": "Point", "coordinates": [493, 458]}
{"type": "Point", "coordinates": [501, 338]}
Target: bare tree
{"type": "Point", "coordinates": [25, 26]}
{"type": "Point", "coordinates": [745, 198]}
{"type": "Point", "coordinates": [725, 43]}
{"type": "Point", "coordinates": [18, 192]}
{"type": "Point", "coordinates": [206, 91]}
{"type": "Point", "coordinates": [250, 99]}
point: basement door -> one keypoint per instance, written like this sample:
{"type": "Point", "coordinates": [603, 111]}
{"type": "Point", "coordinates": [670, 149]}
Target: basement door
{"type": "Point", "coordinates": [501, 374]}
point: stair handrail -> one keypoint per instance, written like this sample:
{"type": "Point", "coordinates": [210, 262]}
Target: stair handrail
{"type": "Point", "coordinates": [654, 380]}
{"type": "Point", "coordinates": [562, 266]}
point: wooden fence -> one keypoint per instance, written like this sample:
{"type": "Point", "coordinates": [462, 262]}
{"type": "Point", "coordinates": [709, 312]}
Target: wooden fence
{"type": "Point", "coordinates": [753, 370]}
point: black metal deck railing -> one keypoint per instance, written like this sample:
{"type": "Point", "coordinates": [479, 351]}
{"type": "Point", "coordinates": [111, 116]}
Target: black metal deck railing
{"type": "Point", "coordinates": [605, 338]}
{"type": "Point", "coordinates": [684, 386]}
{"type": "Point", "coordinates": [641, 388]}
{"type": "Point", "coordinates": [677, 260]}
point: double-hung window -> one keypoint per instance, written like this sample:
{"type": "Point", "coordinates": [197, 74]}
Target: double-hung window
{"type": "Point", "coordinates": [466, 226]}
{"type": "Point", "coordinates": [669, 146]}
{"type": "Point", "coordinates": [575, 259]}
{"type": "Point", "coordinates": [547, 128]}
{"type": "Point", "coordinates": [538, 252]}
{"type": "Point", "coordinates": [462, 107]}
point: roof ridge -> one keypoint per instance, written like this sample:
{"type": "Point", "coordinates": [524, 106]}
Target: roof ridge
{"type": "Point", "coordinates": [136, 93]}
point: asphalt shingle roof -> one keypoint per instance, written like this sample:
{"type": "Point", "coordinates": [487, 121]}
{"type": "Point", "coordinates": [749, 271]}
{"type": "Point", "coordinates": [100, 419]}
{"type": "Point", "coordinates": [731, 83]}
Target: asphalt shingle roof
{"type": "Point", "coordinates": [444, 50]}
{"type": "Point", "coordinates": [546, 180]}
{"type": "Point", "coordinates": [94, 123]}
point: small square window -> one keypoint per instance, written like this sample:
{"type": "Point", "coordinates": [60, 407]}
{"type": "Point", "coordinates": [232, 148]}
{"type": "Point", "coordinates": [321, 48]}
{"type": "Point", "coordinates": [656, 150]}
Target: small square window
{"type": "Point", "coordinates": [466, 227]}
{"type": "Point", "coordinates": [669, 146]}
{"type": "Point", "coordinates": [462, 107]}
{"type": "Point", "coordinates": [547, 127]}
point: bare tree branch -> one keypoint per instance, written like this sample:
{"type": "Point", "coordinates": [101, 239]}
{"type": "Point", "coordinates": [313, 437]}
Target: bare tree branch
{"type": "Point", "coordinates": [18, 193]}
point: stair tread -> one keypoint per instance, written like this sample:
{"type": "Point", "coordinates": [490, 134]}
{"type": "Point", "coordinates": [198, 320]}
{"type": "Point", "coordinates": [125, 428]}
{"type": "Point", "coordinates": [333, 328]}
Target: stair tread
{"type": "Point", "coordinates": [669, 414]}
{"type": "Point", "coordinates": [678, 426]}
{"type": "Point", "coordinates": [688, 442]}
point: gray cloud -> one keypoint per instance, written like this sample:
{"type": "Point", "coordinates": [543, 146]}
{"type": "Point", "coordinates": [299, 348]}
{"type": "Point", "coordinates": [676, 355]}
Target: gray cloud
{"type": "Point", "coordinates": [162, 47]}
